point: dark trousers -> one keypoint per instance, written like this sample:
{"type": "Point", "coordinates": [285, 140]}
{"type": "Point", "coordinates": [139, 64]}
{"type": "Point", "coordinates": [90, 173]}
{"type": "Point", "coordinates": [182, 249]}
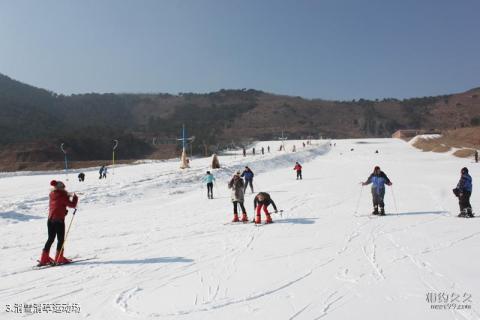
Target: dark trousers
{"type": "Point", "coordinates": [299, 174]}
{"type": "Point", "coordinates": [377, 197]}
{"type": "Point", "coordinates": [247, 182]}
{"type": "Point", "coordinates": [55, 229]}
{"type": "Point", "coordinates": [235, 204]}
{"type": "Point", "coordinates": [210, 189]}
{"type": "Point", "coordinates": [464, 200]}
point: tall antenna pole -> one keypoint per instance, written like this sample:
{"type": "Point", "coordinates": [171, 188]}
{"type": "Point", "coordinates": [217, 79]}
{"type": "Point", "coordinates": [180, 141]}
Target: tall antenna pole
{"type": "Point", "coordinates": [283, 138]}
{"type": "Point", "coordinates": [184, 160]}
{"type": "Point", "coordinates": [66, 160]}
{"type": "Point", "coordinates": [115, 145]}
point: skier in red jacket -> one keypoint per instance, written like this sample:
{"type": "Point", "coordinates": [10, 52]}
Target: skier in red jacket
{"type": "Point", "coordinates": [59, 201]}
{"type": "Point", "coordinates": [298, 168]}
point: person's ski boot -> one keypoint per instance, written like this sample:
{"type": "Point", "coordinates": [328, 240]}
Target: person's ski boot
{"type": "Point", "coordinates": [382, 212]}
{"type": "Point", "coordinates": [269, 218]}
{"type": "Point", "coordinates": [45, 259]}
{"type": "Point", "coordinates": [244, 217]}
{"type": "Point", "coordinates": [375, 211]}
{"type": "Point", "coordinates": [258, 219]}
{"type": "Point", "coordinates": [469, 213]}
{"type": "Point", "coordinates": [463, 213]}
{"type": "Point", "coordinates": [235, 218]}
{"type": "Point", "coordinates": [60, 259]}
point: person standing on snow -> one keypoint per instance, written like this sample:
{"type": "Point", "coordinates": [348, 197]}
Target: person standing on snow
{"type": "Point", "coordinates": [209, 179]}
{"type": "Point", "coordinates": [81, 177]}
{"type": "Point", "coordinates": [298, 169]}
{"type": "Point", "coordinates": [463, 191]}
{"type": "Point", "coordinates": [238, 197]}
{"type": "Point", "coordinates": [263, 200]}
{"type": "Point", "coordinates": [104, 175]}
{"type": "Point", "coordinates": [378, 179]}
{"type": "Point", "coordinates": [248, 175]}
{"type": "Point", "coordinates": [59, 201]}
{"type": "Point", "coordinates": [100, 172]}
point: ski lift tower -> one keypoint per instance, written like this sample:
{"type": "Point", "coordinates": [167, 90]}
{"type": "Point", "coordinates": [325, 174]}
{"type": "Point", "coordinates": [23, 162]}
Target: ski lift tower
{"type": "Point", "coordinates": [184, 162]}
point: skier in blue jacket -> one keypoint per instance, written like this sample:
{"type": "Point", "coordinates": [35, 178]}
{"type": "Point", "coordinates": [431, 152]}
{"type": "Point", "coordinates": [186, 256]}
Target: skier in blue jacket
{"type": "Point", "coordinates": [248, 175]}
{"type": "Point", "coordinates": [209, 179]}
{"type": "Point", "coordinates": [378, 179]}
{"type": "Point", "coordinates": [463, 191]}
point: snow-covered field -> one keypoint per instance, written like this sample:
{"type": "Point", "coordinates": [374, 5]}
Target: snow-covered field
{"type": "Point", "coordinates": [163, 250]}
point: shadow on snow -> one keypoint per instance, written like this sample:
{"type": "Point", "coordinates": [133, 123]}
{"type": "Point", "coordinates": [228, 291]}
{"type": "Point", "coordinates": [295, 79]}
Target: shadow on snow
{"type": "Point", "coordinates": [140, 261]}
{"type": "Point", "coordinates": [12, 215]}
{"type": "Point", "coordinates": [297, 220]}
{"type": "Point", "coordinates": [417, 212]}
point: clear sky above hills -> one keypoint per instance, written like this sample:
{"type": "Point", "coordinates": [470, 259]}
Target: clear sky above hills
{"type": "Point", "coordinates": [334, 49]}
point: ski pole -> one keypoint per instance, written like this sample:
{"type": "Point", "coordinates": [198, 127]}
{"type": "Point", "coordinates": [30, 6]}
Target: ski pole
{"type": "Point", "coordinates": [394, 200]}
{"type": "Point", "coordinates": [278, 211]}
{"type": "Point", "coordinates": [358, 201]}
{"type": "Point", "coordinates": [66, 236]}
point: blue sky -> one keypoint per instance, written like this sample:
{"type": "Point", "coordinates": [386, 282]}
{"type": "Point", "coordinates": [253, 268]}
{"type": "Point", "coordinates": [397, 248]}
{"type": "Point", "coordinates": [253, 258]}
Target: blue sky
{"type": "Point", "coordinates": [335, 49]}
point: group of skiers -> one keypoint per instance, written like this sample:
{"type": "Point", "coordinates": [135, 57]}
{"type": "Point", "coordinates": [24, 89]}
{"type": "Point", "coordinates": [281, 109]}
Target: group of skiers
{"type": "Point", "coordinates": [262, 200]}
{"type": "Point", "coordinates": [102, 174]}
{"type": "Point", "coordinates": [262, 150]}
{"type": "Point", "coordinates": [60, 200]}
{"type": "Point", "coordinates": [238, 185]}
{"type": "Point", "coordinates": [379, 179]}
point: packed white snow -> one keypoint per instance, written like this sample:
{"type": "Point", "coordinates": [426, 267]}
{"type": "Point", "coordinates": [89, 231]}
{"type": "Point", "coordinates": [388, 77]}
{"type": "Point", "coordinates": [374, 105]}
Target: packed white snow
{"type": "Point", "coordinates": [163, 250]}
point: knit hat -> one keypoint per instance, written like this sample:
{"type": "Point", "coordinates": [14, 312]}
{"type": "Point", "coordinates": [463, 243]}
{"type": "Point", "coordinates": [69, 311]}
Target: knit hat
{"type": "Point", "coordinates": [376, 168]}
{"type": "Point", "coordinates": [464, 170]}
{"type": "Point", "coordinates": [57, 185]}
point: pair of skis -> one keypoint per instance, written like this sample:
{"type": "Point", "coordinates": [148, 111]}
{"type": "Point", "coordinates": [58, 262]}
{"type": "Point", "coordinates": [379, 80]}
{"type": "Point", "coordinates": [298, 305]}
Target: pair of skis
{"type": "Point", "coordinates": [253, 221]}
{"type": "Point", "coordinates": [74, 260]}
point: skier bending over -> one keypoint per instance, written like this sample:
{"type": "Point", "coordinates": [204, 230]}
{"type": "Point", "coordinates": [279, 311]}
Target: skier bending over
{"type": "Point", "coordinates": [209, 179]}
{"type": "Point", "coordinates": [263, 200]}
{"type": "Point", "coordinates": [248, 175]}
{"type": "Point", "coordinates": [378, 179]}
{"type": "Point", "coordinates": [298, 168]}
{"type": "Point", "coordinates": [59, 201]}
{"type": "Point", "coordinates": [81, 177]}
{"type": "Point", "coordinates": [100, 172]}
{"type": "Point", "coordinates": [238, 197]}
{"type": "Point", "coordinates": [463, 191]}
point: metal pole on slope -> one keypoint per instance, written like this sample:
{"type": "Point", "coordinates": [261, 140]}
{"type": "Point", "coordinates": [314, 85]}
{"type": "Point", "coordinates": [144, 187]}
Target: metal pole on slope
{"type": "Point", "coordinates": [66, 160]}
{"type": "Point", "coordinates": [115, 145]}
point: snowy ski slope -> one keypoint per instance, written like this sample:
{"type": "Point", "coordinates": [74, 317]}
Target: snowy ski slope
{"type": "Point", "coordinates": [164, 251]}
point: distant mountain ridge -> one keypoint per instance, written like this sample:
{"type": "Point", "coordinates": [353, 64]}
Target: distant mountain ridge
{"type": "Point", "coordinates": [88, 123]}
